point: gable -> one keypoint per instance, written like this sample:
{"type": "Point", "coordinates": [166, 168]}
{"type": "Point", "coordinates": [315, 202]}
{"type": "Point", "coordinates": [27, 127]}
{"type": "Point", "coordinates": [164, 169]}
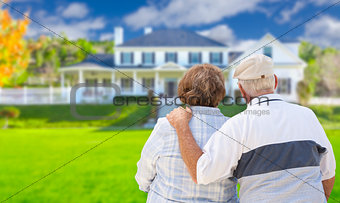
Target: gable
{"type": "Point", "coordinates": [170, 66]}
{"type": "Point", "coordinates": [281, 54]}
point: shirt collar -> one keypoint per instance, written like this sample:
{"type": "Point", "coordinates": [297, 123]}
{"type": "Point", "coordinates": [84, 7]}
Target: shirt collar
{"type": "Point", "coordinates": [206, 110]}
{"type": "Point", "coordinates": [265, 99]}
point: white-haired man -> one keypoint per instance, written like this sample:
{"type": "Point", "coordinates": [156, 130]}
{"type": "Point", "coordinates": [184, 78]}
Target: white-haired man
{"type": "Point", "coordinates": [281, 156]}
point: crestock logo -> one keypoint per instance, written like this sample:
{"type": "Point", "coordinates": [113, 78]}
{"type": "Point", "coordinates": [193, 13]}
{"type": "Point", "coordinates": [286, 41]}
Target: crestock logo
{"type": "Point", "coordinates": [177, 101]}
{"type": "Point", "coordinates": [92, 93]}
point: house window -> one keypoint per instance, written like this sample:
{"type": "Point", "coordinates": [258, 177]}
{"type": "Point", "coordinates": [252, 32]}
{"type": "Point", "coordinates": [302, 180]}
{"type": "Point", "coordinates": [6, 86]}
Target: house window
{"type": "Point", "coordinates": [107, 81]}
{"type": "Point", "coordinates": [127, 58]}
{"type": "Point", "coordinates": [268, 51]}
{"type": "Point", "coordinates": [148, 83]}
{"type": "Point", "coordinates": [171, 57]}
{"type": "Point", "coordinates": [194, 57]}
{"type": "Point", "coordinates": [216, 58]}
{"type": "Point", "coordinates": [91, 87]}
{"type": "Point", "coordinates": [148, 58]}
{"type": "Point", "coordinates": [284, 86]}
{"type": "Point", "coordinates": [91, 82]}
{"type": "Point", "coordinates": [126, 84]}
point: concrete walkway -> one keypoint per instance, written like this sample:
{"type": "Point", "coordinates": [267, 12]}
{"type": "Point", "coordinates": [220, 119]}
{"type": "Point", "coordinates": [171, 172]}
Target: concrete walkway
{"type": "Point", "coordinates": [166, 108]}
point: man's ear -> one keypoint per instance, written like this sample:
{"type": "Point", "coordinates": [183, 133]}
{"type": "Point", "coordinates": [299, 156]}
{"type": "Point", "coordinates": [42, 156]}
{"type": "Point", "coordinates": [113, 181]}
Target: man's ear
{"type": "Point", "coordinates": [244, 94]}
{"type": "Point", "coordinates": [242, 90]}
{"type": "Point", "coordinates": [276, 82]}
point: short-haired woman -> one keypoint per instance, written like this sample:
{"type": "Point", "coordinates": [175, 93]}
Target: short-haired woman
{"type": "Point", "coordinates": [161, 170]}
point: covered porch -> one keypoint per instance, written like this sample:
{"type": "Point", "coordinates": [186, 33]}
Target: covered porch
{"type": "Point", "coordinates": [132, 81]}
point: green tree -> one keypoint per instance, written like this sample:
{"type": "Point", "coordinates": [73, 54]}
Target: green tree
{"type": "Point", "coordinates": [50, 53]}
{"type": "Point", "coordinates": [306, 88]}
{"type": "Point", "coordinates": [329, 83]}
{"type": "Point", "coordinates": [308, 51]}
{"type": "Point", "coordinates": [14, 54]}
{"type": "Point", "coordinates": [322, 74]}
{"type": "Point", "coordinates": [86, 48]}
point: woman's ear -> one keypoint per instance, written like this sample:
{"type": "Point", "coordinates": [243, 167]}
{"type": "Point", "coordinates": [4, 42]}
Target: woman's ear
{"type": "Point", "coordinates": [276, 82]}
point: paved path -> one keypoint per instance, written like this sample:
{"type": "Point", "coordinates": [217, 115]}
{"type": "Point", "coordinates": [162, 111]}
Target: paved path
{"type": "Point", "coordinates": [165, 109]}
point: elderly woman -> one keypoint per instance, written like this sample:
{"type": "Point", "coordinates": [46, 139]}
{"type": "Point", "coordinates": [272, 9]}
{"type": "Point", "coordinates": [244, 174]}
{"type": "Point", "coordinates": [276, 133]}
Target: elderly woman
{"type": "Point", "coordinates": [161, 170]}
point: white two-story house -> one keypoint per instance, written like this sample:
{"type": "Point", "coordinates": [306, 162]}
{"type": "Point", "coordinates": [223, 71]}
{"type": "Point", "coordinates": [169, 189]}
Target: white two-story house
{"type": "Point", "coordinates": [158, 60]}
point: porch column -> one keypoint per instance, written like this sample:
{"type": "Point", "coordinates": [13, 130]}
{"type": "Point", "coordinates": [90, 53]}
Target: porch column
{"type": "Point", "coordinates": [80, 76]}
{"type": "Point", "coordinates": [157, 82]}
{"type": "Point", "coordinates": [25, 95]}
{"type": "Point", "coordinates": [226, 87]}
{"type": "Point", "coordinates": [113, 77]}
{"type": "Point", "coordinates": [62, 81]}
{"type": "Point", "coordinates": [51, 94]}
{"type": "Point", "coordinates": [135, 84]}
{"type": "Point", "coordinates": [68, 93]}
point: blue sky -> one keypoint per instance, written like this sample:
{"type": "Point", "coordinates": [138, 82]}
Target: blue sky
{"type": "Point", "coordinates": [235, 22]}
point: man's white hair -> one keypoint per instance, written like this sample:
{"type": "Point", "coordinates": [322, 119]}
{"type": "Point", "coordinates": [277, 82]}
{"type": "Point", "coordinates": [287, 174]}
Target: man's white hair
{"type": "Point", "coordinates": [259, 86]}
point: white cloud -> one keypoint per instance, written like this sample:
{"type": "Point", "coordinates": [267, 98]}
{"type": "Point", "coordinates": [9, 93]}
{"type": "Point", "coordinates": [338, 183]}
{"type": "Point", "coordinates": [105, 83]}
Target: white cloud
{"type": "Point", "coordinates": [320, 2]}
{"type": "Point", "coordinates": [220, 33]}
{"type": "Point", "coordinates": [106, 36]}
{"type": "Point", "coordinates": [224, 34]}
{"type": "Point", "coordinates": [323, 31]}
{"type": "Point", "coordinates": [188, 13]}
{"type": "Point", "coordinates": [286, 14]}
{"type": "Point", "coordinates": [75, 10]}
{"type": "Point", "coordinates": [243, 45]}
{"type": "Point", "coordinates": [73, 30]}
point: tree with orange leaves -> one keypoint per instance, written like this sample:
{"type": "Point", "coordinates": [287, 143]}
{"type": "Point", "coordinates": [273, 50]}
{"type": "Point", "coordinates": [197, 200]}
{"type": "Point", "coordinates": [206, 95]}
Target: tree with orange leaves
{"type": "Point", "coordinates": [14, 54]}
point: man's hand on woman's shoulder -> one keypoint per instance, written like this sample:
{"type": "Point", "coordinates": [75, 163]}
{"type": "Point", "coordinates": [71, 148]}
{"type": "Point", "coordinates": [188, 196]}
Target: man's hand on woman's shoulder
{"type": "Point", "coordinates": [179, 117]}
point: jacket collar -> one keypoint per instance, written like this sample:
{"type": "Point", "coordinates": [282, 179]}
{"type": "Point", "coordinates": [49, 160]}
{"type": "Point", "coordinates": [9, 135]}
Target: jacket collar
{"type": "Point", "coordinates": [265, 100]}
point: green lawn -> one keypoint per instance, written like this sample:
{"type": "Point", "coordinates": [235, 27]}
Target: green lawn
{"type": "Point", "coordinates": [334, 137]}
{"type": "Point", "coordinates": [105, 174]}
{"type": "Point", "coordinates": [43, 138]}
{"type": "Point", "coordinates": [59, 116]}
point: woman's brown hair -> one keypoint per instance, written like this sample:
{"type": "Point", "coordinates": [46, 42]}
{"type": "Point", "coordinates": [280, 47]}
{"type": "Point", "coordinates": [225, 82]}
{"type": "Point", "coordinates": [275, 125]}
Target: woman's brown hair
{"type": "Point", "coordinates": [202, 85]}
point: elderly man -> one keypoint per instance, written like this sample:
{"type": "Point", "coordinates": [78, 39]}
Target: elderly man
{"type": "Point", "coordinates": [281, 156]}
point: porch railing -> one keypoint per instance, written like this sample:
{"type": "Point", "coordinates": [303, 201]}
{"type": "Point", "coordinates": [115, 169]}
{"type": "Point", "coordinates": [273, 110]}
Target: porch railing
{"type": "Point", "coordinates": [53, 95]}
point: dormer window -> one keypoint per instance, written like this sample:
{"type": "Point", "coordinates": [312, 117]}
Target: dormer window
{"type": "Point", "coordinates": [127, 58]}
{"type": "Point", "coordinates": [171, 57]}
{"type": "Point", "coordinates": [216, 58]}
{"type": "Point", "coordinates": [148, 58]}
{"type": "Point", "coordinates": [195, 57]}
{"type": "Point", "coordinates": [268, 51]}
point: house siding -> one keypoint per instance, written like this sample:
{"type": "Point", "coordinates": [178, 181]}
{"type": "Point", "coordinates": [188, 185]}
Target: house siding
{"type": "Point", "coordinates": [160, 58]}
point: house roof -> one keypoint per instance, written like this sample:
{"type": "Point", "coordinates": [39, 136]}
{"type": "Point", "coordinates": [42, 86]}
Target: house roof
{"type": "Point", "coordinates": [172, 38]}
{"type": "Point", "coordinates": [96, 60]}
{"type": "Point", "coordinates": [233, 55]}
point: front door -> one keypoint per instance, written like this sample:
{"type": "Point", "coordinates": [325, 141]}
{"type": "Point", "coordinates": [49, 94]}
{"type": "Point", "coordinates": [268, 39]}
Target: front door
{"type": "Point", "coordinates": [170, 87]}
